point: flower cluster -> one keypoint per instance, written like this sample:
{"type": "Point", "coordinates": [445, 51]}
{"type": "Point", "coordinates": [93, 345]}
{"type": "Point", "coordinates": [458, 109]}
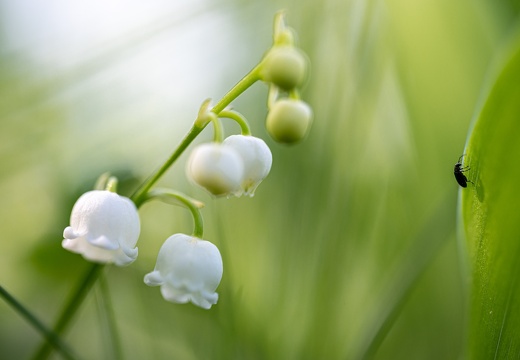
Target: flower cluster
{"type": "Point", "coordinates": [104, 226]}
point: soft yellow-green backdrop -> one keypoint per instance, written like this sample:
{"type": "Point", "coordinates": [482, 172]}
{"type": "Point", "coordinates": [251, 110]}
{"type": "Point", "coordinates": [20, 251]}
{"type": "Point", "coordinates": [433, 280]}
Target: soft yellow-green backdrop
{"type": "Point", "coordinates": [348, 248]}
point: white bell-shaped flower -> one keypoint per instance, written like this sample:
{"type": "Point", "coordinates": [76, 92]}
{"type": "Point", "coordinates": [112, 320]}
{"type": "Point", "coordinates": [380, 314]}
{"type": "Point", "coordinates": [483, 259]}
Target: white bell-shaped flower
{"type": "Point", "coordinates": [257, 160]}
{"type": "Point", "coordinates": [217, 168]}
{"type": "Point", "coordinates": [187, 269]}
{"type": "Point", "coordinates": [104, 227]}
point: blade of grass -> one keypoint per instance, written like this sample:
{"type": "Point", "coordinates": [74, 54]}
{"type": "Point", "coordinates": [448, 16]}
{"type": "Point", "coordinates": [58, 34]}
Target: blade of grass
{"type": "Point", "coordinates": [491, 216]}
{"type": "Point", "coordinates": [52, 338]}
{"type": "Point", "coordinates": [107, 315]}
{"type": "Point", "coordinates": [425, 247]}
{"type": "Point", "coordinates": [70, 308]}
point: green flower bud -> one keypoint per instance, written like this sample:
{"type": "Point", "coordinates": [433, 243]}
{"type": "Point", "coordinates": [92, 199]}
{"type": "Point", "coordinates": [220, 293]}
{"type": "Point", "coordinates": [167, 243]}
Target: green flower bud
{"type": "Point", "coordinates": [289, 120]}
{"type": "Point", "coordinates": [285, 66]}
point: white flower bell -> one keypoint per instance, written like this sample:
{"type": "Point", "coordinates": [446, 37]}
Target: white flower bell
{"type": "Point", "coordinates": [187, 269]}
{"type": "Point", "coordinates": [217, 168]}
{"type": "Point", "coordinates": [104, 227]}
{"type": "Point", "coordinates": [257, 160]}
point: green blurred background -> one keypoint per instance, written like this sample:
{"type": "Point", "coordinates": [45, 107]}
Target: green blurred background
{"type": "Point", "coordinates": [349, 248]}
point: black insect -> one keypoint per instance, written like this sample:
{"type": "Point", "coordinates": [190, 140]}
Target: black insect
{"type": "Point", "coordinates": [458, 171]}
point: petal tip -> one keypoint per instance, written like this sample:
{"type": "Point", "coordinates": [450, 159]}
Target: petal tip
{"type": "Point", "coordinates": [153, 278]}
{"type": "Point", "coordinates": [69, 233]}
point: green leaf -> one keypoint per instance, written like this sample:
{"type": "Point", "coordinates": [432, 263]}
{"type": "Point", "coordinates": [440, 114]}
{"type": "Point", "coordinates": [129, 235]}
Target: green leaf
{"type": "Point", "coordinates": [491, 218]}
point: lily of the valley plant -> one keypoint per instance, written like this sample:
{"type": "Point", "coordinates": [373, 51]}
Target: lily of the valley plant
{"type": "Point", "coordinates": [104, 226]}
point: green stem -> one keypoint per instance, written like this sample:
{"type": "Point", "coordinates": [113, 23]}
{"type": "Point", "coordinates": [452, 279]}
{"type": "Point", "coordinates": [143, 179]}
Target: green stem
{"type": "Point", "coordinates": [272, 96]}
{"type": "Point", "coordinates": [239, 118]}
{"type": "Point", "coordinates": [140, 194]}
{"type": "Point", "coordinates": [246, 82]}
{"type": "Point", "coordinates": [72, 306]}
{"type": "Point", "coordinates": [294, 94]}
{"type": "Point", "coordinates": [108, 315]}
{"type": "Point", "coordinates": [218, 135]}
{"type": "Point", "coordinates": [52, 338]}
{"type": "Point", "coordinates": [192, 205]}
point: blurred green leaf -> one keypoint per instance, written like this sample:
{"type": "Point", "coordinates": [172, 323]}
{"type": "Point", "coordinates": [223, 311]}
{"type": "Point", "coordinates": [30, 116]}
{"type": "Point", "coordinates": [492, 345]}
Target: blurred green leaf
{"type": "Point", "coordinates": [513, 6]}
{"type": "Point", "coordinates": [491, 215]}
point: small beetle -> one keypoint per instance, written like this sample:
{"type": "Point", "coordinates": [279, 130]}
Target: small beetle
{"type": "Point", "coordinates": [458, 171]}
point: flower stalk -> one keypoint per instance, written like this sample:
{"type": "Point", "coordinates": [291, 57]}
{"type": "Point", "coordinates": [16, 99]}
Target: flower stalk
{"type": "Point", "coordinates": [239, 119]}
{"type": "Point", "coordinates": [193, 205]}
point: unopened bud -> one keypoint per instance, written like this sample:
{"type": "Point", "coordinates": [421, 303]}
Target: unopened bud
{"type": "Point", "coordinates": [289, 120]}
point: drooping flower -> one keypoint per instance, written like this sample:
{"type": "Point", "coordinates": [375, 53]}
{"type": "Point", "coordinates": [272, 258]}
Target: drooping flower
{"type": "Point", "coordinates": [257, 160]}
{"type": "Point", "coordinates": [187, 269]}
{"type": "Point", "coordinates": [104, 227]}
{"type": "Point", "coordinates": [217, 168]}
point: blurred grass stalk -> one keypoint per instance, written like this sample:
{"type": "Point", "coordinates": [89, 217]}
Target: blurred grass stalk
{"type": "Point", "coordinates": [51, 338]}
